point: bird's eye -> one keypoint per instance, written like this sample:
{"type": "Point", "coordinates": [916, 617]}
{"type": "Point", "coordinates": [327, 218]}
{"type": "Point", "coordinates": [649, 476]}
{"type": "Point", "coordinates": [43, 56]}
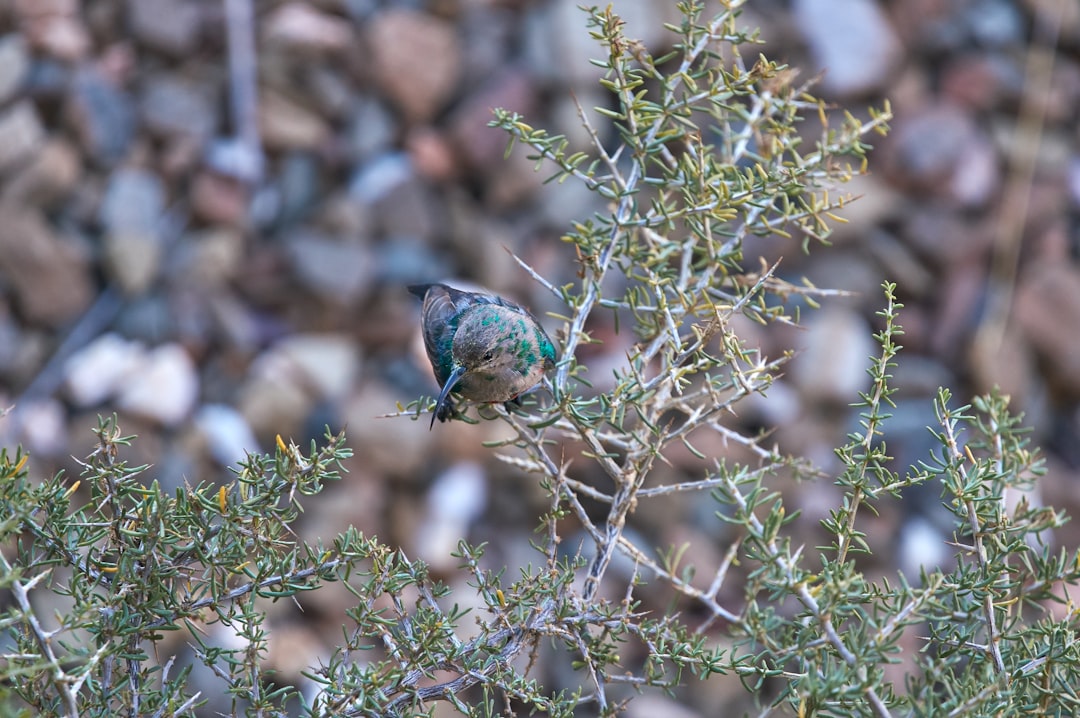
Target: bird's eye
{"type": "Point", "coordinates": [488, 356]}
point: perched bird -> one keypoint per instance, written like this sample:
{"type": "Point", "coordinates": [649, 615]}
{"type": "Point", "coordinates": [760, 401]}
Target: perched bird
{"type": "Point", "coordinates": [481, 347]}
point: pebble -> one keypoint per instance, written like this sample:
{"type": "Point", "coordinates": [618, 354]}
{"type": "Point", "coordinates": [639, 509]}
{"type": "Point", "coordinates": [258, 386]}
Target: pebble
{"type": "Point", "coordinates": [852, 41]}
{"type": "Point", "coordinates": [21, 136]}
{"type": "Point", "coordinates": [163, 387]}
{"type": "Point", "coordinates": [102, 114]}
{"type": "Point", "coordinates": [96, 372]}
{"type": "Point", "coordinates": [131, 214]}
{"type": "Point", "coordinates": [456, 499]}
{"type": "Point", "coordinates": [335, 268]}
{"type": "Point", "coordinates": [1047, 301]}
{"type": "Point", "coordinates": [48, 177]}
{"type": "Point", "coordinates": [173, 105]}
{"type": "Point", "coordinates": [416, 61]}
{"type": "Point", "coordinates": [287, 124]}
{"type": "Point", "coordinates": [173, 27]}
{"type": "Point", "coordinates": [226, 432]}
{"type": "Point", "coordinates": [14, 65]}
{"type": "Point", "coordinates": [50, 276]}
{"type": "Point", "coordinates": [939, 152]}
{"type": "Point", "coordinates": [303, 28]}
{"type": "Point", "coordinates": [831, 366]}
{"type": "Point", "coordinates": [326, 364]}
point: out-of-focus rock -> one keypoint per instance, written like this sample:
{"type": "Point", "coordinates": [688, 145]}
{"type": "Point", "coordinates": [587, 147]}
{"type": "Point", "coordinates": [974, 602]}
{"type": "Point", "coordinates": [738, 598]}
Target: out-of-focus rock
{"type": "Point", "coordinates": [302, 27]}
{"type": "Point", "coordinates": [1047, 306]}
{"type": "Point", "coordinates": [287, 124]}
{"type": "Point", "coordinates": [49, 275]}
{"type": "Point", "coordinates": [401, 203]}
{"type": "Point", "coordinates": [416, 61]}
{"type": "Point", "coordinates": [43, 427]}
{"type": "Point", "coordinates": [940, 152]}
{"type": "Point", "coordinates": [21, 136]}
{"type": "Point", "coordinates": [336, 268]}
{"type": "Point", "coordinates": [171, 105]}
{"type": "Point", "coordinates": [170, 26]}
{"type": "Point", "coordinates": [481, 146]}
{"type": "Point", "coordinates": [218, 199]}
{"type": "Point", "coordinates": [131, 213]}
{"type": "Point", "coordinates": [95, 373]}
{"type": "Point", "coordinates": [14, 65]}
{"type": "Point", "coordinates": [454, 502]}
{"type": "Point", "coordinates": [102, 115]}
{"type": "Point", "coordinates": [852, 41]}
{"type": "Point", "coordinates": [226, 432]}
{"type": "Point", "coordinates": [163, 388]}
{"type": "Point", "coordinates": [212, 257]}
{"type": "Point", "coordinates": [831, 367]}
{"type": "Point", "coordinates": [326, 364]}
{"type": "Point", "coordinates": [47, 178]}
{"type": "Point", "coordinates": [369, 130]}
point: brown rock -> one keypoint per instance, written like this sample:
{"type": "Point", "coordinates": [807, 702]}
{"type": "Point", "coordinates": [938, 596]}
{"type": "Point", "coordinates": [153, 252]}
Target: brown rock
{"type": "Point", "coordinates": [21, 134]}
{"type": "Point", "coordinates": [48, 178]}
{"type": "Point", "coordinates": [50, 276]}
{"type": "Point", "coordinates": [416, 59]}
{"type": "Point", "coordinates": [288, 125]}
{"type": "Point", "coordinates": [1047, 310]}
{"type": "Point", "coordinates": [219, 200]}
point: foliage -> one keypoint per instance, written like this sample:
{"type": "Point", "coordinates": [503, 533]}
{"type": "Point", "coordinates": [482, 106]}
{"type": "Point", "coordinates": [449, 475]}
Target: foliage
{"type": "Point", "coordinates": [706, 154]}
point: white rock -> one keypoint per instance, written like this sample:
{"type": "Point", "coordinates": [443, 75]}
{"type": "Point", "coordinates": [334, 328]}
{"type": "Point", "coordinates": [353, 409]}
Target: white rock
{"type": "Point", "coordinates": [227, 433]}
{"type": "Point", "coordinates": [832, 364]}
{"type": "Point", "coordinates": [456, 499]}
{"type": "Point", "coordinates": [42, 427]}
{"type": "Point", "coordinates": [852, 41]}
{"type": "Point", "coordinates": [164, 387]}
{"type": "Point", "coordinates": [94, 374]}
{"type": "Point", "coordinates": [325, 363]}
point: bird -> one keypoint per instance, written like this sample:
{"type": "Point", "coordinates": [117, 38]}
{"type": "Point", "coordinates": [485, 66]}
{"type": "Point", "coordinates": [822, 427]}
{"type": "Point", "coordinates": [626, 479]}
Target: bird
{"type": "Point", "coordinates": [482, 347]}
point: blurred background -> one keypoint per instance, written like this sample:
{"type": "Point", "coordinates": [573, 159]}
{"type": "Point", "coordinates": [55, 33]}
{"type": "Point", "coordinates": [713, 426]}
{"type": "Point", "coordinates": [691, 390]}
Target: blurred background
{"type": "Point", "coordinates": [209, 210]}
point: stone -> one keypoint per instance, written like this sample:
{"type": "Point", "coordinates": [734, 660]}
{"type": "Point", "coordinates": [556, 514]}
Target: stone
{"type": "Point", "coordinates": [131, 213]}
{"type": "Point", "coordinates": [171, 105]}
{"type": "Point", "coordinates": [50, 277]}
{"type": "Point", "coordinates": [851, 41]}
{"type": "Point", "coordinates": [21, 135]}
{"type": "Point", "coordinates": [102, 114]}
{"type": "Point", "coordinates": [14, 65]}
{"type": "Point", "coordinates": [335, 268]}
{"type": "Point", "coordinates": [170, 26]}
{"type": "Point", "coordinates": [47, 178]}
{"type": "Point", "coordinates": [301, 27]}
{"type": "Point", "coordinates": [273, 399]}
{"type": "Point", "coordinates": [42, 427]}
{"type": "Point", "coordinates": [289, 125]}
{"type": "Point", "coordinates": [831, 366]}
{"type": "Point", "coordinates": [481, 146]}
{"type": "Point", "coordinates": [219, 199]}
{"type": "Point", "coordinates": [63, 37]}
{"type": "Point", "coordinates": [163, 387]}
{"type": "Point", "coordinates": [456, 499]}
{"type": "Point", "coordinates": [93, 374]}
{"type": "Point", "coordinates": [416, 61]}
{"type": "Point", "coordinates": [1047, 306]}
{"type": "Point", "coordinates": [226, 432]}
{"type": "Point", "coordinates": [369, 129]}
{"type": "Point", "coordinates": [327, 364]}
{"type": "Point", "coordinates": [939, 151]}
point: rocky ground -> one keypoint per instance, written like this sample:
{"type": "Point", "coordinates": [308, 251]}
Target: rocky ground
{"type": "Point", "coordinates": [219, 267]}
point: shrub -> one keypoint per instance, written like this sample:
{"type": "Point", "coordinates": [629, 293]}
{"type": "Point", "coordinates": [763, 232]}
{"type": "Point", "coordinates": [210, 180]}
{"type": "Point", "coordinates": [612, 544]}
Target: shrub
{"type": "Point", "coordinates": [706, 155]}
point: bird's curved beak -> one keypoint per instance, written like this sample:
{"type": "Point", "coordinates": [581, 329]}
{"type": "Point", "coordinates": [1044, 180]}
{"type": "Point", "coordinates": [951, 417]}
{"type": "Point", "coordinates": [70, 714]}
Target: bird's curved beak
{"type": "Point", "coordinates": [451, 381]}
